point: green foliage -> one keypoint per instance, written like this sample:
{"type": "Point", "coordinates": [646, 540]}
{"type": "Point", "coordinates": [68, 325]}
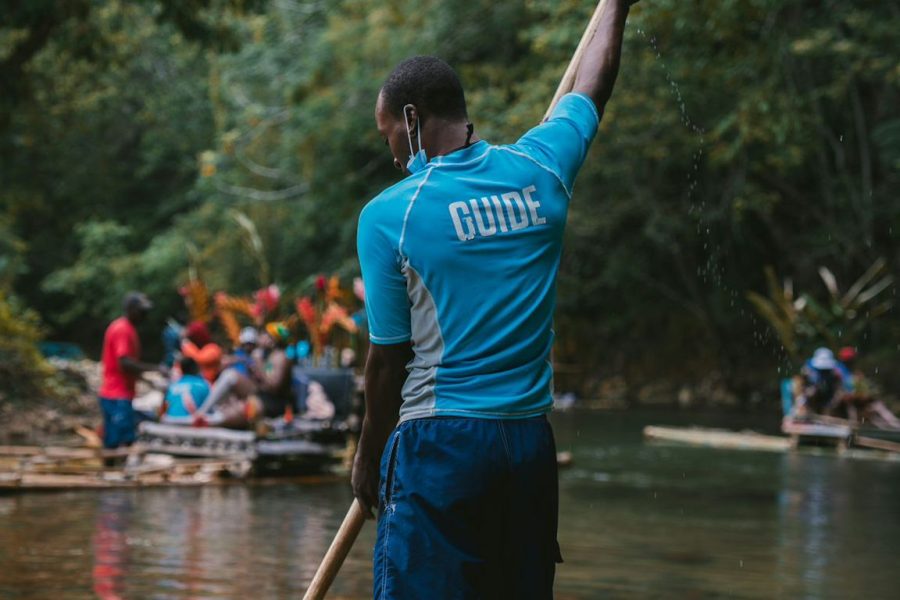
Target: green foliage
{"type": "Point", "coordinates": [92, 281]}
{"type": "Point", "coordinates": [803, 323]}
{"type": "Point", "coordinates": [23, 371]}
{"type": "Point", "coordinates": [741, 134]}
{"type": "Point", "coordinates": [11, 250]}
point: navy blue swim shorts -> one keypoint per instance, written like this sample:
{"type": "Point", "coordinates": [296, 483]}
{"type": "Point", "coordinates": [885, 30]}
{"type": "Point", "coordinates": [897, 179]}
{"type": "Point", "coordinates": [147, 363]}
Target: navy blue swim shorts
{"type": "Point", "coordinates": [468, 510]}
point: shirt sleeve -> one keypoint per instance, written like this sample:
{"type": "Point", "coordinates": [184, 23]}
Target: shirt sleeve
{"type": "Point", "coordinates": [387, 301]}
{"type": "Point", "coordinates": [561, 143]}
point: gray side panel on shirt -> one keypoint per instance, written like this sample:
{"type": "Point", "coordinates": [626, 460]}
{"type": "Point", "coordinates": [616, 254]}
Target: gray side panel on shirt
{"type": "Point", "coordinates": [418, 391]}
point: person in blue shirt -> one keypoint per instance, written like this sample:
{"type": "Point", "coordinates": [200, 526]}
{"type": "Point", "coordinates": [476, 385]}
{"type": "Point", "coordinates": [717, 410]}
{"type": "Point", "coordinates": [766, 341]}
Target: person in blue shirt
{"type": "Point", "coordinates": [185, 396]}
{"type": "Point", "coordinates": [242, 358]}
{"type": "Point", "coordinates": [459, 261]}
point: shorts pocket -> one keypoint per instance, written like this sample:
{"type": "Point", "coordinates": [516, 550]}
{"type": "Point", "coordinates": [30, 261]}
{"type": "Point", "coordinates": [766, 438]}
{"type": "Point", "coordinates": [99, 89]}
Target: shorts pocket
{"type": "Point", "coordinates": [387, 479]}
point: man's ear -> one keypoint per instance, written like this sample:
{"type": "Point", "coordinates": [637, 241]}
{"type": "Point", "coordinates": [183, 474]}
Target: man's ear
{"type": "Point", "coordinates": [412, 119]}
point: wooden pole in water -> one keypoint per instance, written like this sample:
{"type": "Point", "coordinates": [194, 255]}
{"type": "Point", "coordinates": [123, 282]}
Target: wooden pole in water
{"type": "Point", "coordinates": [337, 552]}
{"type": "Point", "coordinates": [568, 80]}
{"type": "Point", "coordinates": [355, 518]}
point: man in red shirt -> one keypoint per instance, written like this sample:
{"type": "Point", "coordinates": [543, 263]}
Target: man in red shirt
{"type": "Point", "coordinates": [121, 369]}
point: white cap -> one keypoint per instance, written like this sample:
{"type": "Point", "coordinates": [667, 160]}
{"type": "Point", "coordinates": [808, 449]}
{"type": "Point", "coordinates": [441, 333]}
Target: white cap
{"type": "Point", "coordinates": [823, 359]}
{"type": "Point", "coordinates": [249, 335]}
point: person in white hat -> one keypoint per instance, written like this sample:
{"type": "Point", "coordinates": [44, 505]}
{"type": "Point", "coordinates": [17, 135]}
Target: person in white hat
{"type": "Point", "coordinates": [243, 355]}
{"type": "Point", "coordinates": [822, 381]}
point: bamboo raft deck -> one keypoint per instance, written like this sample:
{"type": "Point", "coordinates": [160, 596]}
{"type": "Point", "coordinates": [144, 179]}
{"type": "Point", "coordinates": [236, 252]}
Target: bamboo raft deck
{"type": "Point", "coordinates": [173, 455]}
{"type": "Point", "coordinates": [847, 441]}
{"type": "Point", "coordinates": [62, 467]}
{"type": "Point", "coordinates": [718, 438]}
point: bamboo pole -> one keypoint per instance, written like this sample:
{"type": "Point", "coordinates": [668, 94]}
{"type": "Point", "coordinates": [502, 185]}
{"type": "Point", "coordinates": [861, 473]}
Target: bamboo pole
{"type": "Point", "coordinates": [337, 552]}
{"type": "Point", "coordinates": [568, 80]}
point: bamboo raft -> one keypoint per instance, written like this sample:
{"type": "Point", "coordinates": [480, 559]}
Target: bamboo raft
{"type": "Point", "coordinates": [718, 438]}
{"type": "Point", "coordinates": [176, 455]}
{"type": "Point", "coordinates": [847, 440]}
{"type": "Point", "coordinates": [62, 467]}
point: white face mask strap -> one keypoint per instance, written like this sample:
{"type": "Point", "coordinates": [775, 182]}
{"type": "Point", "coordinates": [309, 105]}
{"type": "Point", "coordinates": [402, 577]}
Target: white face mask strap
{"type": "Point", "coordinates": [418, 130]}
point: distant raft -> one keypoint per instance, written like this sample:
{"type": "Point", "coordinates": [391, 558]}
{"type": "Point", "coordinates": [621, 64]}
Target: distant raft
{"type": "Point", "coordinates": [816, 435]}
{"type": "Point", "coordinates": [718, 438]}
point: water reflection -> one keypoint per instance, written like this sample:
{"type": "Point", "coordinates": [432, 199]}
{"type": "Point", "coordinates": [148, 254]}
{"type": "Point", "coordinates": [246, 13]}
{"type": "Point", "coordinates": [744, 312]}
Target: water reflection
{"type": "Point", "coordinates": [838, 528]}
{"type": "Point", "coordinates": [219, 542]}
{"type": "Point", "coordinates": [110, 546]}
{"type": "Point", "coordinates": [637, 521]}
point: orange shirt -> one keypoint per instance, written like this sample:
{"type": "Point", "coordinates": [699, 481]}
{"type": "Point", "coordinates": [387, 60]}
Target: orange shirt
{"type": "Point", "coordinates": [120, 340]}
{"type": "Point", "coordinates": [208, 358]}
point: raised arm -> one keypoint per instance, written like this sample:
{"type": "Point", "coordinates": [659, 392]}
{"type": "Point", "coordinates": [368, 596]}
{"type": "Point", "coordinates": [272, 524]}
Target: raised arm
{"type": "Point", "coordinates": [599, 64]}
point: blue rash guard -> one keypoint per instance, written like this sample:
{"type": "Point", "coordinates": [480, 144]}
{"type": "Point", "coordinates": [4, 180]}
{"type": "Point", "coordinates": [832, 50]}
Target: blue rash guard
{"type": "Point", "coordinates": [193, 386]}
{"type": "Point", "coordinates": [461, 258]}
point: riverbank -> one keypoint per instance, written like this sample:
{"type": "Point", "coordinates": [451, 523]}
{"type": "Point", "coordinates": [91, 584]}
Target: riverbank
{"type": "Point", "coordinates": [55, 418]}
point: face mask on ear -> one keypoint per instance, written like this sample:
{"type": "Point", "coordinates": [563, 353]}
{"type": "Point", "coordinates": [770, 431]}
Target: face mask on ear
{"type": "Point", "coordinates": [417, 160]}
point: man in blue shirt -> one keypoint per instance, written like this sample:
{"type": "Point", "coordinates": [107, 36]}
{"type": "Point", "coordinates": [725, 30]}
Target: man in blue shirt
{"type": "Point", "coordinates": [459, 261]}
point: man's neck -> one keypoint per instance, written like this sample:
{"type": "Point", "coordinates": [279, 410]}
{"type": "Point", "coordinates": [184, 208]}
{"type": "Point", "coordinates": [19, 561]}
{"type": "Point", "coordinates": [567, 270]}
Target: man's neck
{"type": "Point", "coordinates": [444, 137]}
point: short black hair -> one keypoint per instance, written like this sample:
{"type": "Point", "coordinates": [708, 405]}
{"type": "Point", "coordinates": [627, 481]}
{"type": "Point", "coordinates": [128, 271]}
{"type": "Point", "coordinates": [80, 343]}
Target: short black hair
{"type": "Point", "coordinates": [188, 366]}
{"type": "Point", "coordinates": [430, 84]}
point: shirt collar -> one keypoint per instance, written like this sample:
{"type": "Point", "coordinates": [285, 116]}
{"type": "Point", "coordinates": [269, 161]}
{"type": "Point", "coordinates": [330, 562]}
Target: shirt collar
{"type": "Point", "coordinates": [460, 156]}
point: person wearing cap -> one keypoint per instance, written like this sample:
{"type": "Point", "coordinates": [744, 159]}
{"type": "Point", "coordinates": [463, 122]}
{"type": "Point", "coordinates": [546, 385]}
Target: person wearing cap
{"type": "Point", "coordinates": [241, 359]}
{"type": "Point", "coordinates": [120, 359]}
{"type": "Point", "coordinates": [822, 381]}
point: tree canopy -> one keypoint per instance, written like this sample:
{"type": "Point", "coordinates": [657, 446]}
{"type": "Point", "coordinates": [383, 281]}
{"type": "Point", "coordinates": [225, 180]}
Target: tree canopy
{"type": "Point", "coordinates": [742, 135]}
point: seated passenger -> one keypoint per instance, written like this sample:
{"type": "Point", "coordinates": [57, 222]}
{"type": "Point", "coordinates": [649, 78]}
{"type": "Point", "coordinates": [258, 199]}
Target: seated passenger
{"type": "Point", "coordinates": [857, 401]}
{"type": "Point", "coordinates": [822, 382]}
{"type": "Point", "coordinates": [274, 368]}
{"type": "Point", "coordinates": [242, 358]}
{"type": "Point", "coordinates": [185, 396]}
{"type": "Point", "coordinates": [267, 390]}
{"type": "Point", "coordinates": [845, 362]}
{"type": "Point", "coordinates": [198, 345]}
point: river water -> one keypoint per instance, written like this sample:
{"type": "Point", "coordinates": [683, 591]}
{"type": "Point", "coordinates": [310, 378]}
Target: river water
{"type": "Point", "coordinates": [636, 521]}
